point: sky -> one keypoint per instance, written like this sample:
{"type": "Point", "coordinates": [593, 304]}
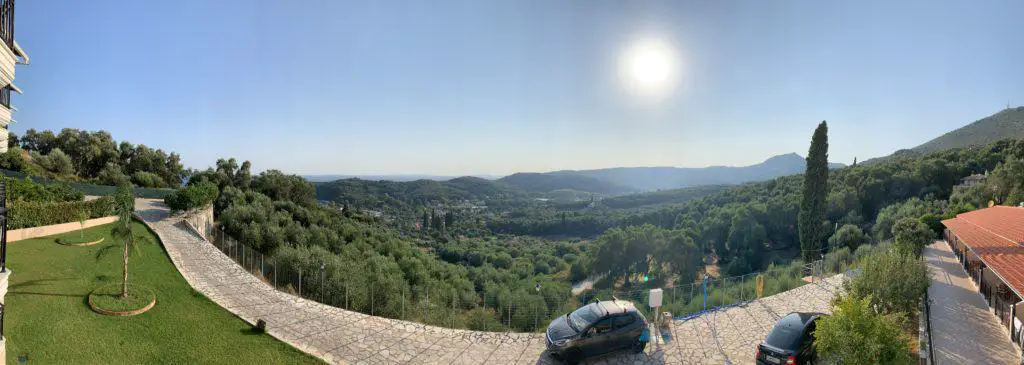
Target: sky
{"type": "Point", "coordinates": [494, 87]}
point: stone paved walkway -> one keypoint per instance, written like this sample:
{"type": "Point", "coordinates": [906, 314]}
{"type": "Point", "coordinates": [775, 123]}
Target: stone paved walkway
{"type": "Point", "coordinates": [964, 331]}
{"type": "Point", "coordinates": [343, 337]}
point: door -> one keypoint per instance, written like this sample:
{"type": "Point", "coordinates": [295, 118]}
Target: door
{"type": "Point", "coordinates": [600, 339]}
{"type": "Point", "coordinates": [807, 350]}
{"type": "Point", "coordinates": [625, 330]}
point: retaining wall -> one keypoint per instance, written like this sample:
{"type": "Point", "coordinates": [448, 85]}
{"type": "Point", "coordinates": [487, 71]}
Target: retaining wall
{"type": "Point", "coordinates": [33, 232]}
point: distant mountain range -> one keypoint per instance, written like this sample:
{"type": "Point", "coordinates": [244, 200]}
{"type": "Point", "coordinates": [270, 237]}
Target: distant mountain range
{"type": "Point", "coordinates": [1007, 123]}
{"type": "Point", "coordinates": [658, 178]}
{"type": "Point", "coordinates": [558, 184]}
{"type": "Point", "coordinates": [390, 177]}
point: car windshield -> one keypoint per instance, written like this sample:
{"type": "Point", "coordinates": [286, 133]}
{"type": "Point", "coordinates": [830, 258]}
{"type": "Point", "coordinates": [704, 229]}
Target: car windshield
{"type": "Point", "coordinates": [583, 318]}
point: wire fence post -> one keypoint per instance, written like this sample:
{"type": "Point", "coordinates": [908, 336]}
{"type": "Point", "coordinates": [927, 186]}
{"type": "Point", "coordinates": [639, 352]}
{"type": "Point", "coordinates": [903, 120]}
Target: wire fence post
{"type": "Point", "coordinates": [535, 317]}
{"type": "Point", "coordinates": [403, 303]}
{"type": "Point", "coordinates": [371, 299]}
{"type": "Point", "coordinates": [300, 282]}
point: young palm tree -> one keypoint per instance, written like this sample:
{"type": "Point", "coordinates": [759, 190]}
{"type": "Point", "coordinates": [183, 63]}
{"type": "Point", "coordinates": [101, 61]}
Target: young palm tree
{"type": "Point", "coordinates": [82, 217]}
{"type": "Point", "coordinates": [124, 205]}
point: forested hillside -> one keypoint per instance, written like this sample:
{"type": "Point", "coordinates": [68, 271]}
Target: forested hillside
{"type": "Point", "coordinates": [1008, 123]}
{"type": "Point", "coordinates": [94, 157]}
{"type": "Point", "coordinates": [551, 181]}
{"type": "Point", "coordinates": [407, 194]}
{"type": "Point", "coordinates": [660, 178]}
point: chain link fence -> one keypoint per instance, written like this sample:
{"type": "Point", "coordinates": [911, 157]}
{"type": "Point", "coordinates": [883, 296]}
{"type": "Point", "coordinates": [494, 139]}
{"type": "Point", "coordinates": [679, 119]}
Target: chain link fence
{"type": "Point", "coordinates": [507, 311]}
{"type": "Point", "coordinates": [441, 307]}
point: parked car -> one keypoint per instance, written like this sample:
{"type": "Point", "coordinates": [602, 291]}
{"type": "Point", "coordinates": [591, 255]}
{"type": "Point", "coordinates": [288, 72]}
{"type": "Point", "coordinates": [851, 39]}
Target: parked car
{"type": "Point", "coordinates": [791, 342]}
{"type": "Point", "coordinates": [597, 328]}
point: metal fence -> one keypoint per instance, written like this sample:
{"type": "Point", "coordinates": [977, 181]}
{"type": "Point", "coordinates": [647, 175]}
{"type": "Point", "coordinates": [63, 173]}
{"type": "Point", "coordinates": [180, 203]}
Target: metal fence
{"type": "Point", "coordinates": [507, 311]}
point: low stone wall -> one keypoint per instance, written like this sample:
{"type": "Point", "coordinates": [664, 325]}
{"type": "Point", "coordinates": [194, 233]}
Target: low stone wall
{"type": "Point", "coordinates": [200, 221]}
{"type": "Point", "coordinates": [33, 232]}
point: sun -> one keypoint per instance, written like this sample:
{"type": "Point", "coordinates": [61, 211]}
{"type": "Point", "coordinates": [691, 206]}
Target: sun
{"type": "Point", "coordinates": [648, 66]}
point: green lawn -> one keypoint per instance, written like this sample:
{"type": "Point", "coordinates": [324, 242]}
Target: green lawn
{"type": "Point", "coordinates": [48, 319]}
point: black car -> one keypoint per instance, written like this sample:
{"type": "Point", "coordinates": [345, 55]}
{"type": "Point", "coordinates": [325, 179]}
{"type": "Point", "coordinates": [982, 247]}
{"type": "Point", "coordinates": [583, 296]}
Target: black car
{"type": "Point", "coordinates": [595, 329]}
{"type": "Point", "coordinates": [791, 342]}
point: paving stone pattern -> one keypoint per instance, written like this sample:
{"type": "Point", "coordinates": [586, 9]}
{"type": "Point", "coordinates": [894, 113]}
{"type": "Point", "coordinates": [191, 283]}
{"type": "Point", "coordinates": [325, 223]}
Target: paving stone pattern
{"type": "Point", "coordinates": [344, 337]}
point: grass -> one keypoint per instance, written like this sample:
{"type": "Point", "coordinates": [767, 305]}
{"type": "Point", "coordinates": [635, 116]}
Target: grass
{"type": "Point", "coordinates": [49, 320]}
{"type": "Point", "coordinates": [108, 297]}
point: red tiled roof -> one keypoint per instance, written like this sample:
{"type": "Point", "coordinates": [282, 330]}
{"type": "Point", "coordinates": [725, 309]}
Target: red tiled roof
{"type": "Point", "coordinates": [996, 235]}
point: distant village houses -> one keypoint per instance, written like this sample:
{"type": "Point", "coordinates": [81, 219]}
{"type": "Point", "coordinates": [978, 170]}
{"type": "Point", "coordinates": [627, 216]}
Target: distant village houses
{"type": "Point", "coordinates": [974, 180]}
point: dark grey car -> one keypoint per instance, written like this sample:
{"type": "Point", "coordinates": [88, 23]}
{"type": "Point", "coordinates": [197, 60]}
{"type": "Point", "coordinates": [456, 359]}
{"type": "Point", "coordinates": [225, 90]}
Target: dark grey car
{"type": "Point", "coordinates": [595, 329]}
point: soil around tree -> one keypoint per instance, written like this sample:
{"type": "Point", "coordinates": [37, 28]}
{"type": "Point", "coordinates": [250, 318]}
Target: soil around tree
{"type": "Point", "coordinates": [107, 300]}
{"type": "Point", "coordinates": [89, 239]}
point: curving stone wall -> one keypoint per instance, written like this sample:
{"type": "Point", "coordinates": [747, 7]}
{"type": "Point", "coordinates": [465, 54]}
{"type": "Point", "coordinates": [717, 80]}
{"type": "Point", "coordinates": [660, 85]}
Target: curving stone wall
{"type": "Point", "coordinates": [344, 337]}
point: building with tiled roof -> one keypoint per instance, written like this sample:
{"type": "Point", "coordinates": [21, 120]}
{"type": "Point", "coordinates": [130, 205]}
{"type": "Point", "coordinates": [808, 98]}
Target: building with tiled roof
{"type": "Point", "coordinates": [990, 244]}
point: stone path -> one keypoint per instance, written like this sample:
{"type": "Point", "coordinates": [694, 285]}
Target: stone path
{"type": "Point", "coordinates": [964, 330]}
{"type": "Point", "coordinates": [343, 337]}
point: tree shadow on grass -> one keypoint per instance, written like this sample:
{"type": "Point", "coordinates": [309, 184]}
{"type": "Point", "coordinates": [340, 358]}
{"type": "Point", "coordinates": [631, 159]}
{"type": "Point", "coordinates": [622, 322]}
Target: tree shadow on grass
{"type": "Point", "coordinates": [251, 331]}
{"type": "Point", "coordinates": [25, 288]}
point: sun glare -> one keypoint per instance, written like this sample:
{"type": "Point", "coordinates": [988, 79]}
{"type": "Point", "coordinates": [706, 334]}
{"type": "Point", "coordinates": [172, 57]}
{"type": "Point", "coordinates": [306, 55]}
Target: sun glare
{"type": "Point", "coordinates": [648, 67]}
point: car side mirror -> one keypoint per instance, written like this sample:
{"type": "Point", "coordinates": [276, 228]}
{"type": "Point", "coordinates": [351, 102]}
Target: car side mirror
{"type": "Point", "coordinates": [589, 332]}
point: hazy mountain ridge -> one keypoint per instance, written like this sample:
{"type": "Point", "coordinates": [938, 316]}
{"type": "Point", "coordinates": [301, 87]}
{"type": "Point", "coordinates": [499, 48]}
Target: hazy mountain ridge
{"type": "Point", "coordinates": [660, 178]}
{"type": "Point", "coordinates": [1007, 123]}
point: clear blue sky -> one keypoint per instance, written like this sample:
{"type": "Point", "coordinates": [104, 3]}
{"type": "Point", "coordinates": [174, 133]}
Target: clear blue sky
{"type": "Point", "coordinates": [492, 87]}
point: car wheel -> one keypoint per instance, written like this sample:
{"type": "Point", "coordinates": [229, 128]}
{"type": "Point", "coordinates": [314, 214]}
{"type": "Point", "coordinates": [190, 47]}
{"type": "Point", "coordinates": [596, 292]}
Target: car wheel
{"type": "Point", "coordinates": [572, 357]}
{"type": "Point", "coordinates": [639, 346]}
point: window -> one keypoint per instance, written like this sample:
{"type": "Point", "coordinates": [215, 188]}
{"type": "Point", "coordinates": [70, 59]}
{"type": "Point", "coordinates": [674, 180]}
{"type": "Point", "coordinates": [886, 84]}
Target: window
{"type": "Point", "coordinates": [605, 325]}
{"type": "Point", "coordinates": [624, 321]}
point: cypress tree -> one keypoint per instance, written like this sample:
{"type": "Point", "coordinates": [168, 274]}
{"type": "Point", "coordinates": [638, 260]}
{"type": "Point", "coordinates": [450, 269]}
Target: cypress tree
{"type": "Point", "coordinates": [815, 190]}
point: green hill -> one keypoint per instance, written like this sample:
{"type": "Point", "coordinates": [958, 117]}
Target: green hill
{"type": "Point", "coordinates": [1008, 123]}
{"type": "Point", "coordinates": [366, 193]}
{"type": "Point", "coordinates": [551, 181]}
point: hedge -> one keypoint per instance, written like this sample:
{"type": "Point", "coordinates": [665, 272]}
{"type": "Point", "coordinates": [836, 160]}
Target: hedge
{"type": "Point", "coordinates": [92, 189]}
{"type": "Point", "coordinates": [35, 214]}
{"type": "Point", "coordinates": [192, 196]}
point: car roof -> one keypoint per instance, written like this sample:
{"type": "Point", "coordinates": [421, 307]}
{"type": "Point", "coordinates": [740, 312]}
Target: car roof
{"type": "Point", "coordinates": [798, 320]}
{"type": "Point", "coordinates": [789, 330]}
{"type": "Point", "coordinates": [615, 306]}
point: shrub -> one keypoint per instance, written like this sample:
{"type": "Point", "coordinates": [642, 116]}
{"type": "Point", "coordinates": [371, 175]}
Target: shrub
{"type": "Point", "coordinates": [112, 175]}
{"type": "Point", "coordinates": [56, 162]}
{"type": "Point", "coordinates": [849, 236]}
{"type": "Point", "coordinates": [192, 196]}
{"type": "Point", "coordinates": [895, 281]}
{"type": "Point", "coordinates": [148, 179]}
{"type": "Point", "coordinates": [26, 214]}
{"type": "Point", "coordinates": [13, 160]}
{"type": "Point", "coordinates": [854, 334]}
{"type": "Point", "coordinates": [934, 222]}
{"type": "Point", "coordinates": [27, 190]}
{"type": "Point", "coordinates": [912, 235]}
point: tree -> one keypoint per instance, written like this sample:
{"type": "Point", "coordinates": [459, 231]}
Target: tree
{"type": "Point", "coordinates": [12, 140]}
{"type": "Point", "coordinates": [912, 235]}
{"type": "Point", "coordinates": [82, 216]}
{"type": "Point", "coordinates": [849, 235]}
{"type": "Point", "coordinates": [892, 281]}
{"type": "Point", "coordinates": [934, 222]}
{"type": "Point", "coordinates": [856, 335]}
{"type": "Point", "coordinates": [815, 191]}
{"type": "Point", "coordinates": [124, 206]}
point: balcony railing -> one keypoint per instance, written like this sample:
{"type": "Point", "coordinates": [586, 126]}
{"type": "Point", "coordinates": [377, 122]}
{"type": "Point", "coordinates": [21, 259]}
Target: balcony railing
{"type": "Point", "coordinates": [3, 232]}
{"type": "Point", "coordinates": [7, 23]}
